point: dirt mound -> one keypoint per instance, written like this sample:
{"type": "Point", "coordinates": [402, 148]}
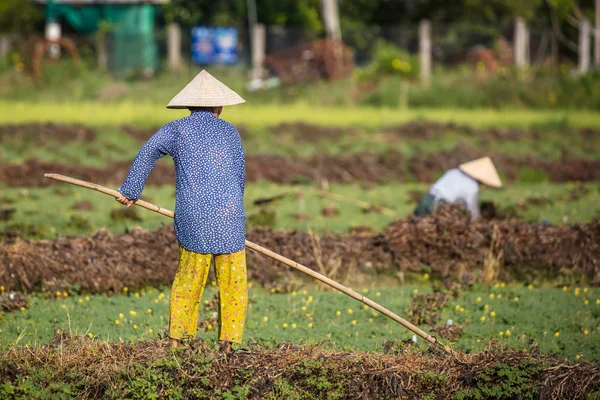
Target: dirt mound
{"type": "Point", "coordinates": [448, 242]}
{"type": "Point", "coordinates": [453, 245]}
{"type": "Point", "coordinates": [92, 369]}
{"type": "Point", "coordinates": [42, 133]}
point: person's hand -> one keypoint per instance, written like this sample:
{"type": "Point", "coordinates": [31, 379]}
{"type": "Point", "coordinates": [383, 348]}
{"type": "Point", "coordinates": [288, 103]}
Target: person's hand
{"type": "Point", "coordinates": [124, 200]}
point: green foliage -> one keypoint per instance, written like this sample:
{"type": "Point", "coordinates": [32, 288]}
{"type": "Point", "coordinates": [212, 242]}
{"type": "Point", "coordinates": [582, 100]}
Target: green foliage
{"type": "Point", "coordinates": [19, 16]}
{"type": "Point", "coordinates": [503, 381]}
{"type": "Point", "coordinates": [388, 59]}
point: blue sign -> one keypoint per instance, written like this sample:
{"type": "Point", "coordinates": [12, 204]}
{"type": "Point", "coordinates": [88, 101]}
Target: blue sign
{"type": "Point", "coordinates": [214, 45]}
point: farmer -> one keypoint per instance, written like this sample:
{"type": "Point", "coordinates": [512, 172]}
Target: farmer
{"type": "Point", "coordinates": [461, 185]}
{"type": "Point", "coordinates": [209, 211]}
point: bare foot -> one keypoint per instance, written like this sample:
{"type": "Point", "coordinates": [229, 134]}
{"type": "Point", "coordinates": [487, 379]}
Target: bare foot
{"type": "Point", "coordinates": [225, 347]}
{"type": "Point", "coordinates": [175, 342]}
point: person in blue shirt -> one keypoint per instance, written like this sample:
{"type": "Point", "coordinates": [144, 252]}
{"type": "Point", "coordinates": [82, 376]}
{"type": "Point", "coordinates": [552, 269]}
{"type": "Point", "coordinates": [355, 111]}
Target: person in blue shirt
{"type": "Point", "coordinates": [461, 185]}
{"type": "Point", "coordinates": [209, 212]}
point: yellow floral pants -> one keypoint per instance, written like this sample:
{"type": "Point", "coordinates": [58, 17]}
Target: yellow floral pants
{"type": "Point", "coordinates": [188, 286]}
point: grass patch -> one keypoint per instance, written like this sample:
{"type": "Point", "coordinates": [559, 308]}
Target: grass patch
{"type": "Point", "coordinates": [44, 213]}
{"type": "Point", "coordinates": [559, 321]}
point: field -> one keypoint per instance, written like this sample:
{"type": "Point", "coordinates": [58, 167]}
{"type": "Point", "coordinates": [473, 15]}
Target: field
{"type": "Point", "coordinates": [88, 277]}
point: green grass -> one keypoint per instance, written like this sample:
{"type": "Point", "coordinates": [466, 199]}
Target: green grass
{"type": "Point", "coordinates": [148, 114]}
{"type": "Point", "coordinates": [49, 211]}
{"type": "Point", "coordinates": [538, 314]}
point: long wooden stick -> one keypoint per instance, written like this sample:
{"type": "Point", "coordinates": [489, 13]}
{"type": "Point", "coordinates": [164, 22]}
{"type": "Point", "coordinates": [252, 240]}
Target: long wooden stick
{"type": "Point", "coordinates": [274, 256]}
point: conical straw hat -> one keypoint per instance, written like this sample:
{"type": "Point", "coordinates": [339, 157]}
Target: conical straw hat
{"type": "Point", "coordinates": [482, 170]}
{"type": "Point", "coordinates": [205, 91]}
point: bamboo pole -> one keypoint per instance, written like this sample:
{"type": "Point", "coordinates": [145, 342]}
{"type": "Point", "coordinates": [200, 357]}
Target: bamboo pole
{"type": "Point", "coordinates": [274, 256]}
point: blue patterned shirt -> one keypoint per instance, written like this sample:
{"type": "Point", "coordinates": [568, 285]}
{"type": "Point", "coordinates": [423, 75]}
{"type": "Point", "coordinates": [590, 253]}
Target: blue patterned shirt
{"type": "Point", "coordinates": [210, 179]}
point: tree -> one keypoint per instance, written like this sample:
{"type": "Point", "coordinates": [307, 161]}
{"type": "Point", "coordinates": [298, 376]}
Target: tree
{"type": "Point", "coordinates": [19, 16]}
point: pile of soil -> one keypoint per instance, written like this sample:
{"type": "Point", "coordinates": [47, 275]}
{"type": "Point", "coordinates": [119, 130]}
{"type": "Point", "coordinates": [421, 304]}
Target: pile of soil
{"type": "Point", "coordinates": [448, 242]}
{"type": "Point", "coordinates": [363, 167]}
{"type": "Point", "coordinates": [92, 369]}
{"type": "Point", "coordinates": [42, 133]}
{"type": "Point", "coordinates": [452, 245]}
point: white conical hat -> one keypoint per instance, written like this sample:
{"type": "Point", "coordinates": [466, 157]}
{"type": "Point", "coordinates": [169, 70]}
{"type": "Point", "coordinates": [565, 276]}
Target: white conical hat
{"type": "Point", "coordinates": [482, 170]}
{"type": "Point", "coordinates": [205, 91]}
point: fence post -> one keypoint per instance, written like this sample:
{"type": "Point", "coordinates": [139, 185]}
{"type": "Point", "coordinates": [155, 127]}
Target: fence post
{"type": "Point", "coordinates": [259, 45]}
{"type": "Point", "coordinates": [521, 43]}
{"type": "Point", "coordinates": [174, 47]}
{"type": "Point", "coordinates": [585, 30]}
{"type": "Point", "coordinates": [332, 19]}
{"type": "Point", "coordinates": [597, 37]}
{"type": "Point", "coordinates": [425, 49]}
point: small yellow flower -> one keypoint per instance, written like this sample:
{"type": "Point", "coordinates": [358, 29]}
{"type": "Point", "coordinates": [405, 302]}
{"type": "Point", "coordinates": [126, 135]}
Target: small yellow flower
{"type": "Point", "coordinates": [365, 307]}
{"type": "Point", "coordinates": [350, 311]}
{"type": "Point", "coordinates": [586, 302]}
{"type": "Point", "coordinates": [150, 331]}
{"type": "Point", "coordinates": [284, 326]}
{"type": "Point", "coordinates": [63, 306]}
{"type": "Point", "coordinates": [304, 292]}
{"type": "Point", "coordinates": [265, 318]}
{"type": "Point", "coordinates": [415, 291]}
{"type": "Point", "coordinates": [516, 299]}
{"type": "Point", "coordinates": [479, 299]}
{"type": "Point", "coordinates": [213, 283]}
{"type": "Point", "coordinates": [65, 294]}
{"type": "Point", "coordinates": [23, 309]}
{"type": "Point", "coordinates": [272, 291]}
{"type": "Point", "coordinates": [426, 276]}
{"type": "Point", "coordinates": [482, 319]}
{"type": "Point", "coordinates": [493, 314]}
{"type": "Point", "coordinates": [585, 290]}
{"type": "Point", "coordinates": [310, 299]}
{"type": "Point", "coordinates": [486, 307]}
{"type": "Point", "coordinates": [507, 333]}
{"type": "Point", "coordinates": [303, 308]}
{"type": "Point", "coordinates": [578, 356]}
{"type": "Point", "coordinates": [338, 313]}
{"type": "Point", "coordinates": [90, 335]}
{"type": "Point", "coordinates": [149, 311]}
{"type": "Point", "coordinates": [117, 322]}
{"type": "Point", "coordinates": [2, 288]}
{"type": "Point", "coordinates": [125, 289]}
{"type": "Point", "coordinates": [58, 294]}
{"type": "Point", "coordinates": [556, 334]}
{"type": "Point", "coordinates": [293, 326]}
{"type": "Point", "coordinates": [501, 333]}
{"type": "Point", "coordinates": [294, 293]}
{"type": "Point", "coordinates": [365, 291]}
{"type": "Point", "coordinates": [132, 313]}
{"type": "Point", "coordinates": [577, 291]}
{"type": "Point", "coordinates": [530, 286]}
{"type": "Point", "coordinates": [502, 285]}
{"type": "Point", "coordinates": [353, 322]}
{"type": "Point", "coordinates": [310, 325]}
{"type": "Point", "coordinates": [121, 316]}
{"type": "Point", "coordinates": [370, 320]}
{"type": "Point", "coordinates": [87, 298]}
{"type": "Point", "coordinates": [462, 309]}
{"type": "Point", "coordinates": [155, 301]}
{"type": "Point", "coordinates": [378, 294]}
{"type": "Point", "coordinates": [135, 327]}
{"type": "Point", "coordinates": [250, 285]}
{"type": "Point", "coordinates": [209, 327]}
{"type": "Point", "coordinates": [492, 296]}
{"type": "Point", "coordinates": [137, 295]}
{"type": "Point", "coordinates": [565, 288]}
{"type": "Point", "coordinates": [161, 296]}
{"type": "Point", "coordinates": [597, 301]}
{"type": "Point", "coordinates": [307, 315]}
{"type": "Point", "coordinates": [499, 296]}
{"type": "Point", "coordinates": [457, 307]}
{"type": "Point", "coordinates": [585, 331]}
{"type": "Point", "coordinates": [80, 301]}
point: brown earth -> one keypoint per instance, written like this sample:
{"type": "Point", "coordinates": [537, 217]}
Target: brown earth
{"type": "Point", "coordinates": [448, 242]}
{"type": "Point", "coordinates": [96, 369]}
{"type": "Point", "coordinates": [42, 133]}
{"type": "Point", "coordinates": [364, 167]}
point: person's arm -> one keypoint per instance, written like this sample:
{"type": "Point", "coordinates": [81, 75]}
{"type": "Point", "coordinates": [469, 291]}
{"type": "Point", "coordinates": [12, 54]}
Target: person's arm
{"type": "Point", "coordinates": [159, 145]}
{"type": "Point", "coordinates": [473, 205]}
